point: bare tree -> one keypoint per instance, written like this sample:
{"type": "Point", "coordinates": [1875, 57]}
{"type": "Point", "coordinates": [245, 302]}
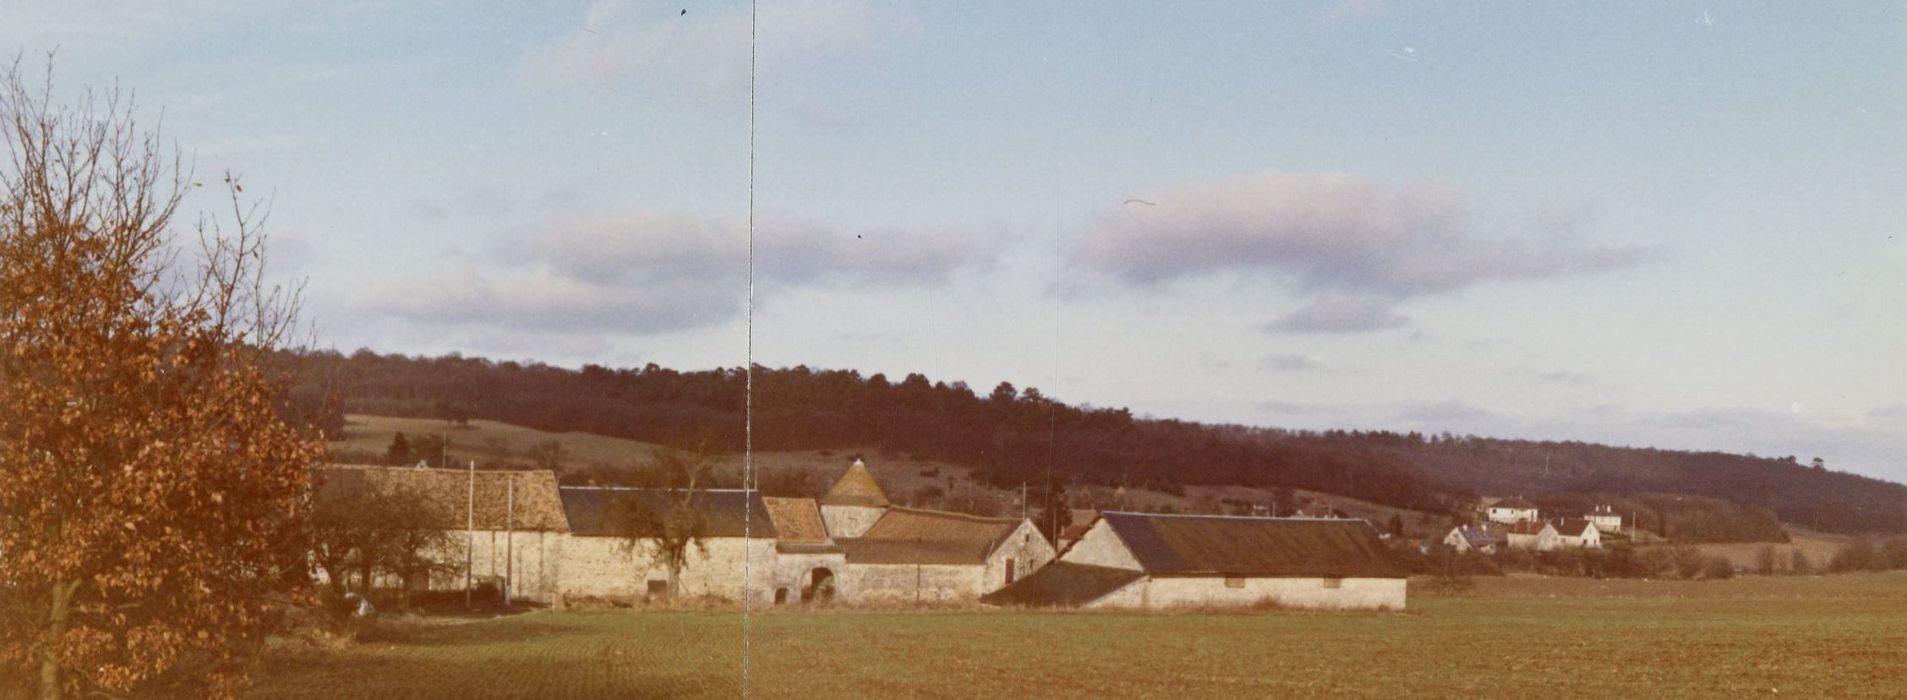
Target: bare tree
{"type": "Point", "coordinates": [152, 496]}
{"type": "Point", "coordinates": [667, 529]}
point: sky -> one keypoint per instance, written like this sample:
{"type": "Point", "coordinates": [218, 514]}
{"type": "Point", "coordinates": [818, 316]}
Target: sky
{"type": "Point", "coordinates": [1650, 224]}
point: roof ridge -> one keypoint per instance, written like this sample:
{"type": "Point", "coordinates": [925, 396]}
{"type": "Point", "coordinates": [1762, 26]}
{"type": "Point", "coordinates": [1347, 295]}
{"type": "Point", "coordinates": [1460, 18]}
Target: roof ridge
{"type": "Point", "coordinates": [1000, 519]}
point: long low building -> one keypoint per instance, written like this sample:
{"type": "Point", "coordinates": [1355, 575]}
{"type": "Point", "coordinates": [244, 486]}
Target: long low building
{"type": "Point", "coordinates": [558, 545]}
{"type": "Point", "coordinates": [1155, 561]}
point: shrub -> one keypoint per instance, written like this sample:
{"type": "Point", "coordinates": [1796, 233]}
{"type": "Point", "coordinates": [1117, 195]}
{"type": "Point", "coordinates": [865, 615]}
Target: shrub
{"type": "Point", "coordinates": [1718, 568]}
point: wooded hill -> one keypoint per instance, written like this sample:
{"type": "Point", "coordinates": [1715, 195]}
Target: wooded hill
{"type": "Point", "coordinates": [1009, 435]}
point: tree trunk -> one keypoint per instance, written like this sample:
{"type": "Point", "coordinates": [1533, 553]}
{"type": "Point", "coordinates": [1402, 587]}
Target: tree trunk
{"type": "Point", "coordinates": [56, 621]}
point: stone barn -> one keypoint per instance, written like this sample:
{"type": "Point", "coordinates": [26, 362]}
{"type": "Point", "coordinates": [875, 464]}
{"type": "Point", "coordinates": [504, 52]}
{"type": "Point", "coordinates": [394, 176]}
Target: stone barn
{"type": "Point", "coordinates": [1578, 533]}
{"type": "Point", "coordinates": [1533, 534]}
{"type": "Point", "coordinates": [926, 555]}
{"type": "Point", "coordinates": [740, 557]}
{"type": "Point", "coordinates": [519, 523]}
{"type": "Point", "coordinates": [808, 563]}
{"type": "Point", "coordinates": [1154, 561]}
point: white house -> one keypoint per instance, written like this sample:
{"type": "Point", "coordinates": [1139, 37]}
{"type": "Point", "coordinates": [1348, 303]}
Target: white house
{"type": "Point", "coordinates": [1533, 534]}
{"type": "Point", "coordinates": [1510, 511]}
{"type": "Point", "coordinates": [1605, 518]}
{"type": "Point", "coordinates": [1577, 533]}
{"type": "Point", "coordinates": [1146, 560]}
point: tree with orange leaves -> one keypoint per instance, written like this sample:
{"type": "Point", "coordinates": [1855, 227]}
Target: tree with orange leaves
{"type": "Point", "coordinates": [151, 496]}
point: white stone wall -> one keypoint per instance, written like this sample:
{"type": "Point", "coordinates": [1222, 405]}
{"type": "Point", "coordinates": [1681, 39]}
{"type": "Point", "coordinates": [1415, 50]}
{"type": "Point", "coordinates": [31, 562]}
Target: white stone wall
{"type": "Point", "coordinates": [849, 521]}
{"type": "Point", "coordinates": [601, 567]}
{"type": "Point", "coordinates": [794, 572]}
{"type": "Point", "coordinates": [528, 559]}
{"type": "Point", "coordinates": [1100, 546]}
{"type": "Point", "coordinates": [913, 582]}
{"type": "Point", "coordinates": [1026, 548]}
{"type": "Point", "coordinates": [1313, 593]}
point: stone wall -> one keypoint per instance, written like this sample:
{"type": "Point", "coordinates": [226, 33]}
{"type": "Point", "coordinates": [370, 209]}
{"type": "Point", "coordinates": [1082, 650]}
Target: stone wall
{"type": "Point", "coordinates": [794, 573]}
{"type": "Point", "coordinates": [913, 582]}
{"type": "Point", "coordinates": [1100, 546]}
{"type": "Point", "coordinates": [1315, 593]}
{"type": "Point", "coordinates": [1026, 548]}
{"type": "Point", "coordinates": [601, 567]}
{"type": "Point", "coordinates": [849, 521]}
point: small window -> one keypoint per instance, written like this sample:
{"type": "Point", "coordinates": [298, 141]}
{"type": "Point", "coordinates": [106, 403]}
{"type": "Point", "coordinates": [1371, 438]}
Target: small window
{"type": "Point", "coordinates": [658, 588]}
{"type": "Point", "coordinates": [1234, 582]}
{"type": "Point", "coordinates": [1334, 583]}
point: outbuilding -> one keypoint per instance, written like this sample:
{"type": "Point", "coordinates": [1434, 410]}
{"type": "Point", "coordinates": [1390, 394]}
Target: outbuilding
{"type": "Point", "coordinates": [1157, 561]}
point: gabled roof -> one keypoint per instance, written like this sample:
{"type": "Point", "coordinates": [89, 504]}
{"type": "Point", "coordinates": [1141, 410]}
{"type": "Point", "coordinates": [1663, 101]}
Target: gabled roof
{"type": "Point", "coordinates": [797, 520]}
{"type": "Point", "coordinates": [914, 536]}
{"type": "Point", "coordinates": [1571, 527]}
{"type": "Point", "coordinates": [727, 510]}
{"type": "Point", "coordinates": [1514, 502]}
{"type": "Point", "coordinates": [857, 487]}
{"type": "Point", "coordinates": [1062, 583]}
{"type": "Point", "coordinates": [531, 504]}
{"type": "Point", "coordinates": [1213, 545]}
{"type": "Point", "coordinates": [1478, 537]}
{"type": "Point", "coordinates": [1528, 527]}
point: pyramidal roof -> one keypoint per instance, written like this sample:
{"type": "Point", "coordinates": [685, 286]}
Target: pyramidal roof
{"type": "Point", "coordinates": [856, 488]}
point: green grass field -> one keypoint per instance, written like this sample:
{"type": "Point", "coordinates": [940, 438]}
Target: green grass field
{"type": "Point", "coordinates": [1841, 636]}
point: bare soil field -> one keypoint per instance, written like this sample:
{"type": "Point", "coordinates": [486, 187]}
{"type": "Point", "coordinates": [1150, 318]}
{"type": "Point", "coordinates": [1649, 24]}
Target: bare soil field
{"type": "Point", "coordinates": [1512, 637]}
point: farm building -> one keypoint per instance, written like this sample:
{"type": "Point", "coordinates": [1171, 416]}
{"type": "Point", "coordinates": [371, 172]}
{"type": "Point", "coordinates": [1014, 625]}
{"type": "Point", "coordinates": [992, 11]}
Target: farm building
{"type": "Point", "coordinates": [1577, 533]}
{"type": "Point", "coordinates": [1510, 511]}
{"type": "Point", "coordinates": [1465, 538]}
{"type": "Point", "coordinates": [1533, 534]}
{"type": "Point", "coordinates": [808, 562]}
{"type": "Point", "coordinates": [737, 553]}
{"type": "Point", "coordinates": [922, 555]}
{"type": "Point", "coordinates": [511, 523]}
{"type": "Point", "coordinates": [1145, 560]}
{"type": "Point", "coordinates": [559, 544]}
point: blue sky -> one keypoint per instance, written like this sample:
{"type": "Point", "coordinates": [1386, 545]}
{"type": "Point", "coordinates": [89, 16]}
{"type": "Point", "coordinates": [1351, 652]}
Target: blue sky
{"type": "Point", "coordinates": [1668, 224]}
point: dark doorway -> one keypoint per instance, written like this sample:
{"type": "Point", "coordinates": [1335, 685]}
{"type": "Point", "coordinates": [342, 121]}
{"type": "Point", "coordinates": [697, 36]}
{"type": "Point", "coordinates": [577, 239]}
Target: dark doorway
{"type": "Point", "coordinates": [820, 585]}
{"type": "Point", "coordinates": [781, 596]}
{"type": "Point", "coordinates": [658, 589]}
{"type": "Point", "coordinates": [1009, 571]}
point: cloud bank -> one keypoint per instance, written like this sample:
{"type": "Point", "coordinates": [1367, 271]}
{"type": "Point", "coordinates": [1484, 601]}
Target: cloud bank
{"type": "Point", "coordinates": [646, 273]}
{"type": "Point", "coordinates": [1353, 246]}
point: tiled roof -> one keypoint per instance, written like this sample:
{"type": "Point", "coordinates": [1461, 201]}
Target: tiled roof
{"type": "Point", "coordinates": [797, 520]}
{"type": "Point", "coordinates": [862, 550]}
{"type": "Point", "coordinates": [1062, 583]}
{"type": "Point", "coordinates": [727, 510]}
{"type": "Point", "coordinates": [913, 536]}
{"type": "Point", "coordinates": [1528, 527]}
{"type": "Point", "coordinates": [532, 504]}
{"type": "Point", "coordinates": [856, 488]}
{"type": "Point", "coordinates": [1571, 527]}
{"type": "Point", "coordinates": [1206, 545]}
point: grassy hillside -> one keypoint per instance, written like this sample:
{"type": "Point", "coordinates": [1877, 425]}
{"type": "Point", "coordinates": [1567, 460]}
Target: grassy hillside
{"type": "Point", "coordinates": [1516, 637]}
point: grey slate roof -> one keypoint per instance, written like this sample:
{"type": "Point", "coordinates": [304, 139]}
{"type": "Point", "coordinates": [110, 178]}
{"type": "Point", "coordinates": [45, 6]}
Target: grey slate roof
{"type": "Point", "coordinates": [588, 507]}
{"type": "Point", "coordinates": [1062, 584]}
{"type": "Point", "coordinates": [1209, 545]}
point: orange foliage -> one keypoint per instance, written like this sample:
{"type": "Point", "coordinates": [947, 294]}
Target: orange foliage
{"type": "Point", "coordinates": [151, 498]}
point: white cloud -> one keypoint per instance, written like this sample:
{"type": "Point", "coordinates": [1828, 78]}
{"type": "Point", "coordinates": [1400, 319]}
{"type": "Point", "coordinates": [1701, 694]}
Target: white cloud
{"type": "Point", "coordinates": [708, 50]}
{"type": "Point", "coordinates": [644, 273]}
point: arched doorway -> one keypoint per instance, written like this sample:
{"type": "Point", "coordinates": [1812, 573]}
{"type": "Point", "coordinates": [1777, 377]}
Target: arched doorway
{"type": "Point", "coordinates": [820, 585]}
